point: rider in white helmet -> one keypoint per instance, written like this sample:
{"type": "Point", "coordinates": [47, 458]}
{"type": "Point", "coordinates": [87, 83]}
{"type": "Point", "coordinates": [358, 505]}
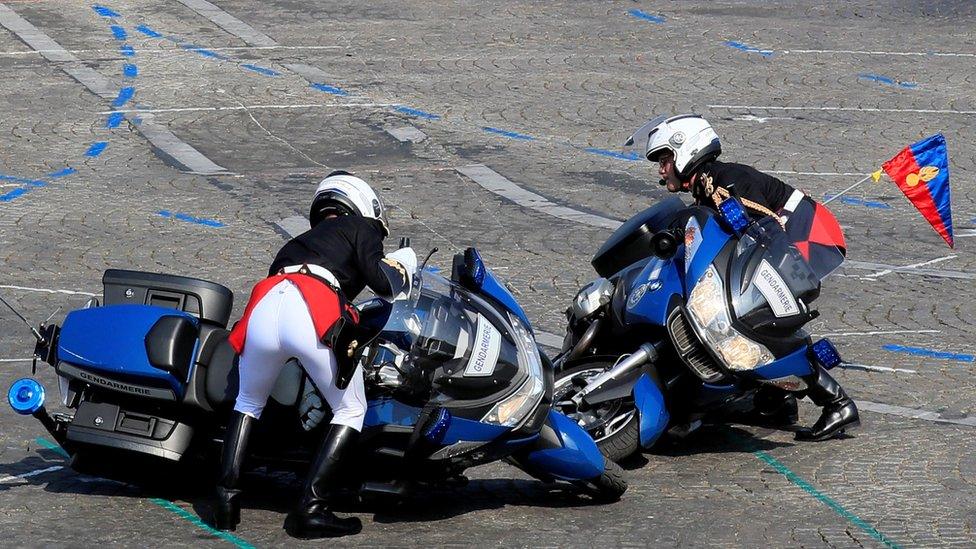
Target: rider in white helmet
{"type": "Point", "coordinates": [302, 311]}
{"type": "Point", "coordinates": [686, 149]}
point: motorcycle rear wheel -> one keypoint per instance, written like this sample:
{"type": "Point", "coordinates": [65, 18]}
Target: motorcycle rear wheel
{"type": "Point", "coordinates": [615, 426]}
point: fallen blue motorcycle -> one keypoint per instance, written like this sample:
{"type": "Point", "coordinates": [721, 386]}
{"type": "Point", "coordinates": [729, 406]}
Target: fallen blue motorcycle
{"type": "Point", "coordinates": [698, 317]}
{"type": "Point", "coordinates": [454, 379]}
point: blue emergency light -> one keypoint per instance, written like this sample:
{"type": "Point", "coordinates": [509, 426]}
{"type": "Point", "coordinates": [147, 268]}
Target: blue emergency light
{"type": "Point", "coordinates": [825, 353]}
{"type": "Point", "coordinates": [734, 214]}
{"type": "Point", "coordinates": [26, 396]}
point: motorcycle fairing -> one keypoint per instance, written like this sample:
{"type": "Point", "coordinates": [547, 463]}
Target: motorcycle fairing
{"type": "Point", "coordinates": [111, 340]}
{"type": "Point", "coordinates": [713, 239]}
{"type": "Point", "coordinates": [497, 291]}
{"type": "Point", "coordinates": [651, 410]}
{"type": "Point", "coordinates": [571, 454]}
{"type": "Point", "coordinates": [468, 430]}
{"type": "Point", "coordinates": [387, 411]}
{"type": "Point", "coordinates": [796, 363]}
{"type": "Point", "coordinates": [651, 292]}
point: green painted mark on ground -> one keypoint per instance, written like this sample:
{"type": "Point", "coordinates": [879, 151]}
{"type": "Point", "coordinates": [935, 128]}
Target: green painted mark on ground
{"type": "Point", "coordinates": [825, 499]}
{"type": "Point", "coordinates": [52, 446]}
{"type": "Point", "coordinates": [195, 520]}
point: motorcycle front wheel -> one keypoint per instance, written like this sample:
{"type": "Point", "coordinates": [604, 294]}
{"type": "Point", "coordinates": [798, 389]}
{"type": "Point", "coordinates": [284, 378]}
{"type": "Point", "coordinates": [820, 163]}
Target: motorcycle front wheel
{"type": "Point", "coordinates": [614, 425]}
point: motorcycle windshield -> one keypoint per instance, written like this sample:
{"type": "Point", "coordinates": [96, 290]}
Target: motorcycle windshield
{"type": "Point", "coordinates": [768, 268]}
{"type": "Point", "coordinates": [456, 338]}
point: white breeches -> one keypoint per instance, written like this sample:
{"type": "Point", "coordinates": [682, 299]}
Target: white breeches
{"type": "Point", "coordinates": [281, 328]}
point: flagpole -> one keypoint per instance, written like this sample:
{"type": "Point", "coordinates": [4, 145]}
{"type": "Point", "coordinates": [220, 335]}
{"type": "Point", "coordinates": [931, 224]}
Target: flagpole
{"type": "Point", "coordinates": [829, 200]}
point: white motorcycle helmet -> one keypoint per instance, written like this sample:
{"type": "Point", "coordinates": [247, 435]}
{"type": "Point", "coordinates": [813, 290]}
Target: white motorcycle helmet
{"type": "Point", "coordinates": [689, 136]}
{"type": "Point", "coordinates": [342, 193]}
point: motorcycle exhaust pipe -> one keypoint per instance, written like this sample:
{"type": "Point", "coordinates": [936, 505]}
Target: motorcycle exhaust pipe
{"type": "Point", "coordinates": [647, 352]}
{"type": "Point", "coordinates": [585, 341]}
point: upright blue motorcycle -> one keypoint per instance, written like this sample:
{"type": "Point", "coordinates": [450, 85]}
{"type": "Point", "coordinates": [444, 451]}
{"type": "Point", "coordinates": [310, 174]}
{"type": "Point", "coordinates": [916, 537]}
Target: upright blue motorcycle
{"type": "Point", "coordinates": [454, 379]}
{"type": "Point", "coordinates": [699, 318]}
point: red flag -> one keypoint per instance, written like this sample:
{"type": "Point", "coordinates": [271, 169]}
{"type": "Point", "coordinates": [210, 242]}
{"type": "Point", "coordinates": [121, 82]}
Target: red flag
{"type": "Point", "coordinates": [921, 171]}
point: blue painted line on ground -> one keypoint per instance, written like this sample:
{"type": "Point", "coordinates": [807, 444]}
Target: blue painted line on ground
{"type": "Point", "coordinates": [145, 29]}
{"type": "Point", "coordinates": [330, 89]}
{"type": "Point", "coordinates": [508, 134]}
{"type": "Point", "coordinates": [127, 51]}
{"type": "Point", "coordinates": [61, 173]}
{"type": "Point", "coordinates": [632, 156]}
{"type": "Point", "coordinates": [646, 16]}
{"type": "Point", "coordinates": [130, 71]}
{"type": "Point", "coordinates": [260, 70]}
{"type": "Point", "coordinates": [860, 202]}
{"type": "Point", "coordinates": [114, 120]}
{"type": "Point", "coordinates": [96, 148]}
{"type": "Point", "coordinates": [886, 80]}
{"type": "Point", "coordinates": [118, 32]}
{"type": "Point", "coordinates": [53, 446]}
{"type": "Point", "coordinates": [24, 180]}
{"type": "Point", "coordinates": [195, 520]}
{"type": "Point", "coordinates": [919, 351]}
{"type": "Point", "coordinates": [204, 52]}
{"type": "Point", "coordinates": [16, 193]}
{"type": "Point", "coordinates": [125, 94]}
{"type": "Point", "coordinates": [190, 219]}
{"type": "Point", "coordinates": [825, 499]}
{"type": "Point", "coordinates": [747, 48]}
{"type": "Point", "coordinates": [416, 112]}
{"type": "Point", "coordinates": [104, 12]}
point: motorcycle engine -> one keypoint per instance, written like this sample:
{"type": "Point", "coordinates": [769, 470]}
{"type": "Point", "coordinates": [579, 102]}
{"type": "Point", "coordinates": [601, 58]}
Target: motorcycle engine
{"type": "Point", "coordinates": [592, 297]}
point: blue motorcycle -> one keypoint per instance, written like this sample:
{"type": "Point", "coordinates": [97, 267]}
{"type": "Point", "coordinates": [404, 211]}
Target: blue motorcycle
{"type": "Point", "coordinates": [454, 379]}
{"type": "Point", "coordinates": [698, 317]}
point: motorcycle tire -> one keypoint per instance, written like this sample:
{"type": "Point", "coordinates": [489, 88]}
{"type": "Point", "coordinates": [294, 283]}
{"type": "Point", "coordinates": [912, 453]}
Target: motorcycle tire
{"type": "Point", "coordinates": [609, 486]}
{"type": "Point", "coordinates": [623, 442]}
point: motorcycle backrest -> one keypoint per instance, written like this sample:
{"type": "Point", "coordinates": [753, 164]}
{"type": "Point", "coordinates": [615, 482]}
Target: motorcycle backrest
{"type": "Point", "coordinates": [203, 299]}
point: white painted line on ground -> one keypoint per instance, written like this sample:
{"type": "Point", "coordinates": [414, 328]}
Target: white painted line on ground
{"type": "Point", "coordinates": [406, 134]}
{"type": "Point", "coordinates": [48, 290]}
{"type": "Point", "coordinates": [869, 368]}
{"type": "Point", "coordinates": [965, 233]}
{"type": "Point", "coordinates": [51, 50]}
{"type": "Point", "coordinates": [817, 174]}
{"type": "Point", "coordinates": [912, 413]}
{"type": "Point", "coordinates": [103, 52]}
{"type": "Point", "coordinates": [10, 478]}
{"type": "Point", "coordinates": [867, 265]}
{"type": "Point", "coordinates": [875, 276]}
{"type": "Point", "coordinates": [893, 53]}
{"type": "Point", "coordinates": [851, 109]}
{"type": "Point", "coordinates": [16, 359]}
{"type": "Point", "coordinates": [252, 107]}
{"type": "Point", "coordinates": [158, 135]}
{"type": "Point", "coordinates": [494, 182]}
{"type": "Point", "coordinates": [229, 23]}
{"type": "Point", "coordinates": [880, 332]}
{"type": "Point", "coordinates": [549, 340]}
{"type": "Point", "coordinates": [294, 226]}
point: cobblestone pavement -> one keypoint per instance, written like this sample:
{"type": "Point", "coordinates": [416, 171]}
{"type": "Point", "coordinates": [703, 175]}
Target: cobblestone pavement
{"type": "Point", "coordinates": [174, 136]}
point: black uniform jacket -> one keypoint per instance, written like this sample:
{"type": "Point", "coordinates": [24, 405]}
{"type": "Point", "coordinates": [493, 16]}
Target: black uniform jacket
{"type": "Point", "coordinates": [351, 247]}
{"type": "Point", "coordinates": [742, 181]}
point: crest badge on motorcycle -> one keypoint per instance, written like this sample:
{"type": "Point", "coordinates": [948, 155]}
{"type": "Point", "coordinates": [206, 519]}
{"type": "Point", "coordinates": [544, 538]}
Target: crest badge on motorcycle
{"type": "Point", "coordinates": [636, 295]}
{"type": "Point", "coordinates": [677, 140]}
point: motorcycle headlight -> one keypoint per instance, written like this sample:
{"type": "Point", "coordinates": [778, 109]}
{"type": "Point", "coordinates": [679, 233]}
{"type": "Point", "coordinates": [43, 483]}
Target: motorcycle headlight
{"type": "Point", "coordinates": [710, 315]}
{"type": "Point", "coordinates": [513, 409]}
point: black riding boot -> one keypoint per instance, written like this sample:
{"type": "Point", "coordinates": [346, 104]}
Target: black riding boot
{"type": "Point", "coordinates": [839, 411]}
{"type": "Point", "coordinates": [312, 519]}
{"type": "Point", "coordinates": [227, 510]}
